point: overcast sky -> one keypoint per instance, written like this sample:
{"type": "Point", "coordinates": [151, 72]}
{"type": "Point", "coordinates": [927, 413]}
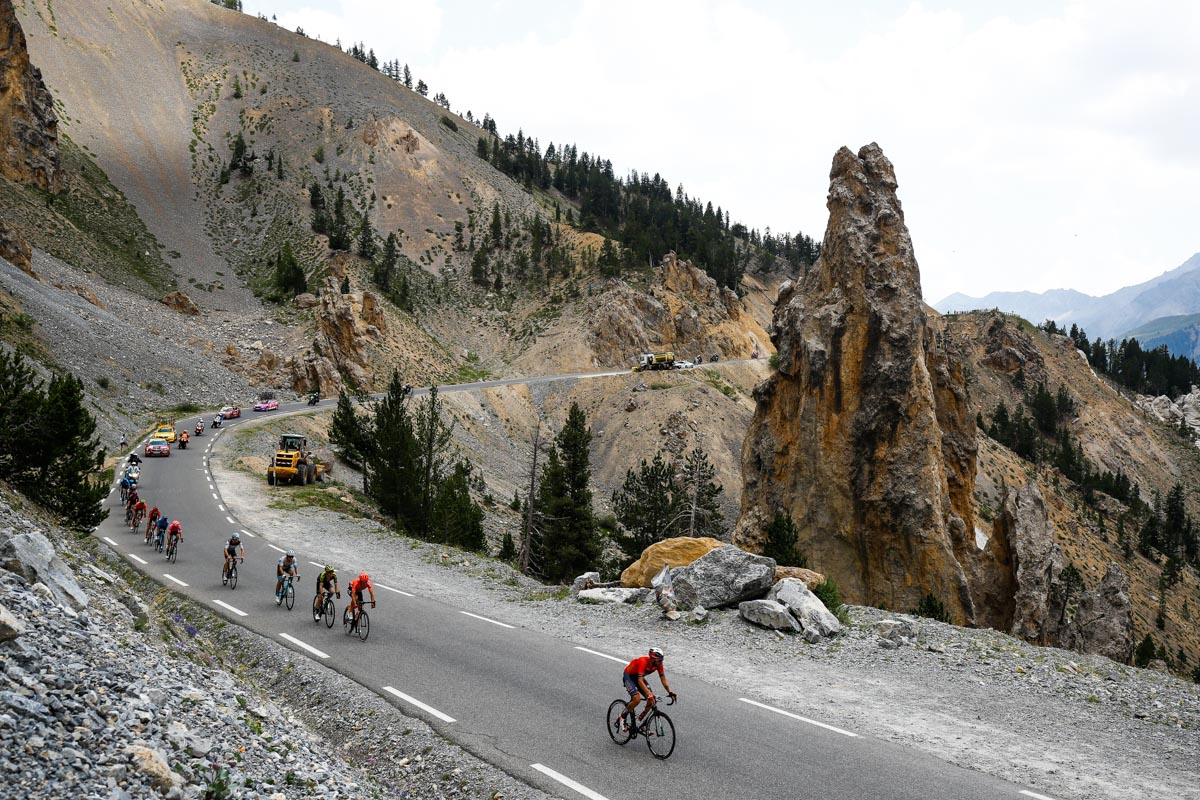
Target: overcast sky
{"type": "Point", "coordinates": [1054, 144]}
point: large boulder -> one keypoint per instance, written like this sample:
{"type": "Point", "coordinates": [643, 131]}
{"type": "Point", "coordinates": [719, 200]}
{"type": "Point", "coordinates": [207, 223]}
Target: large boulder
{"type": "Point", "coordinates": [768, 614]}
{"type": "Point", "coordinates": [32, 556]}
{"type": "Point", "coordinates": [611, 594]}
{"type": "Point", "coordinates": [723, 577]}
{"type": "Point", "coordinates": [815, 619]}
{"type": "Point", "coordinates": [676, 552]}
{"type": "Point", "coordinates": [811, 579]}
{"type": "Point", "coordinates": [10, 626]}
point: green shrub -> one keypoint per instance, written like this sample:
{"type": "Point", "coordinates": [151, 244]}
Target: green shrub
{"type": "Point", "coordinates": [931, 607]}
{"type": "Point", "coordinates": [449, 123]}
{"type": "Point", "coordinates": [827, 592]}
{"type": "Point", "coordinates": [1144, 653]}
{"type": "Point", "coordinates": [103, 382]}
{"type": "Point", "coordinates": [773, 361]}
{"type": "Point", "coordinates": [185, 409]}
{"type": "Point", "coordinates": [780, 545]}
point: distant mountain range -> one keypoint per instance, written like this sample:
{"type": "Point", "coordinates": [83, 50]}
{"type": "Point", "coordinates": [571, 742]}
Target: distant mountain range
{"type": "Point", "coordinates": [1164, 310]}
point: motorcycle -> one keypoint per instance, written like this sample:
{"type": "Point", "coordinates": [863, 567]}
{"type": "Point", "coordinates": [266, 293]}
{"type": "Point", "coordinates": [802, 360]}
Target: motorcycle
{"type": "Point", "coordinates": [314, 398]}
{"type": "Point", "coordinates": [406, 390]}
{"type": "Point", "coordinates": [183, 443]}
{"type": "Point", "coordinates": [199, 429]}
{"type": "Point", "coordinates": [216, 423]}
{"type": "Point", "coordinates": [133, 474]}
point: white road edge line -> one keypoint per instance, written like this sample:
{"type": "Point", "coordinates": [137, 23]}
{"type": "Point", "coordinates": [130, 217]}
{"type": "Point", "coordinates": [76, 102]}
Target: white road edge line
{"type": "Point", "coordinates": [232, 521]}
{"type": "Point", "coordinates": [215, 496]}
{"type": "Point", "coordinates": [485, 619]}
{"type": "Point", "coordinates": [135, 558]}
{"type": "Point", "coordinates": [220, 507]}
{"type": "Point", "coordinates": [228, 607]}
{"type": "Point", "coordinates": [173, 578]}
{"type": "Point", "coordinates": [1035, 795]}
{"type": "Point", "coordinates": [273, 547]}
{"type": "Point", "coordinates": [414, 701]}
{"type": "Point", "coordinates": [397, 591]}
{"type": "Point", "coordinates": [797, 716]}
{"type": "Point", "coordinates": [602, 655]}
{"type": "Point", "coordinates": [567, 782]}
{"type": "Point", "coordinates": [110, 541]}
{"type": "Point", "coordinates": [309, 648]}
{"type": "Point", "coordinates": [318, 566]}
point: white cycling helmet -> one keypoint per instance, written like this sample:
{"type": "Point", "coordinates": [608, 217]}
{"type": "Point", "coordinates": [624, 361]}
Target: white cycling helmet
{"type": "Point", "coordinates": [290, 554]}
{"type": "Point", "coordinates": [657, 653]}
{"type": "Point", "coordinates": [236, 535]}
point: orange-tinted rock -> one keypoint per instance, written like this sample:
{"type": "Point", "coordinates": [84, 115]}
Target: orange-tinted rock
{"type": "Point", "coordinates": [28, 124]}
{"type": "Point", "coordinates": [181, 303]}
{"type": "Point", "coordinates": [678, 552]}
{"type": "Point", "coordinates": [811, 579]}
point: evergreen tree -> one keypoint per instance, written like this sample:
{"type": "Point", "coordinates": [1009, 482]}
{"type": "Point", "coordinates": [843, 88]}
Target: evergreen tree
{"type": "Point", "coordinates": [1145, 652]}
{"type": "Point", "coordinates": [387, 263]}
{"type": "Point", "coordinates": [350, 432]}
{"type": "Point", "coordinates": [408, 82]}
{"type": "Point", "coordinates": [366, 239]}
{"type": "Point", "coordinates": [457, 519]}
{"type": "Point", "coordinates": [433, 438]}
{"type": "Point", "coordinates": [345, 288]}
{"type": "Point", "coordinates": [508, 550]}
{"type": "Point", "coordinates": [570, 541]}
{"type": "Point", "coordinates": [781, 540]}
{"type": "Point", "coordinates": [339, 230]}
{"type": "Point", "coordinates": [391, 462]}
{"type": "Point", "coordinates": [647, 506]}
{"type": "Point", "coordinates": [700, 501]}
{"type": "Point", "coordinates": [422, 89]}
{"type": "Point", "coordinates": [289, 277]}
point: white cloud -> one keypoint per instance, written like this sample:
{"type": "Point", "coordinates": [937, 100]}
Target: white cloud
{"type": "Point", "coordinates": [1054, 146]}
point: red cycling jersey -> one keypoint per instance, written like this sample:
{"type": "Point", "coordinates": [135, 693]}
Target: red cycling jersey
{"type": "Point", "coordinates": [140, 506]}
{"type": "Point", "coordinates": [175, 527]}
{"type": "Point", "coordinates": [357, 585]}
{"type": "Point", "coordinates": [643, 666]}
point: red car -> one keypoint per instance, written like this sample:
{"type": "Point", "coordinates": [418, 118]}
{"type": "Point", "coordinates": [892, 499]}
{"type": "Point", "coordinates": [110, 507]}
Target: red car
{"type": "Point", "coordinates": [229, 412]}
{"type": "Point", "coordinates": [157, 447]}
{"type": "Point", "coordinates": [266, 405]}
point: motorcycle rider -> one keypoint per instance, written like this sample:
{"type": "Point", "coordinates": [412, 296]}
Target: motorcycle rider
{"type": "Point", "coordinates": [216, 423]}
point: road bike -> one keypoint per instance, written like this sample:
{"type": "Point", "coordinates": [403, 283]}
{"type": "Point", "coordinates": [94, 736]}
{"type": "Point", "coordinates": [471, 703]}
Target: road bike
{"type": "Point", "coordinates": [653, 725]}
{"type": "Point", "coordinates": [137, 520]}
{"type": "Point", "coordinates": [173, 549]}
{"type": "Point", "coordinates": [361, 626]}
{"type": "Point", "coordinates": [287, 592]}
{"type": "Point", "coordinates": [229, 576]}
{"type": "Point", "coordinates": [151, 527]}
{"type": "Point", "coordinates": [160, 540]}
{"type": "Point", "coordinates": [323, 608]}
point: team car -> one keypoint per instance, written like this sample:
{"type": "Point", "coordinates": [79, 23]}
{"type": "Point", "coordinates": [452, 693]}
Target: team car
{"type": "Point", "coordinates": [229, 412]}
{"type": "Point", "coordinates": [157, 447]}
{"type": "Point", "coordinates": [266, 405]}
{"type": "Point", "coordinates": [165, 432]}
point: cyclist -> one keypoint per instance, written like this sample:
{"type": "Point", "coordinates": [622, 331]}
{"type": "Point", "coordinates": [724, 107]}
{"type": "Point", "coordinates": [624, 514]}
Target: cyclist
{"type": "Point", "coordinates": [327, 582]}
{"type": "Point", "coordinates": [286, 566]}
{"type": "Point", "coordinates": [152, 521]}
{"type": "Point", "coordinates": [124, 487]}
{"type": "Point", "coordinates": [139, 512]}
{"type": "Point", "coordinates": [356, 588]}
{"type": "Point", "coordinates": [161, 527]}
{"type": "Point", "coordinates": [131, 500]}
{"type": "Point", "coordinates": [635, 683]}
{"type": "Point", "coordinates": [231, 550]}
{"type": "Point", "coordinates": [174, 533]}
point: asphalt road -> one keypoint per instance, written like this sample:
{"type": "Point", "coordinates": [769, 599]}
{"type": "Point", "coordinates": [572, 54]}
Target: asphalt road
{"type": "Point", "coordinates": [532, 704]}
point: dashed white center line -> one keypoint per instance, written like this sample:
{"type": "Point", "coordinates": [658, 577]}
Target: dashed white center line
{"type": "Point", "coordinates": [110, 541]}
{"type": "Point", "coordinates": [797, 716]}
{"type": "Point", "coordinates": [567, 782]}
{"type": "Point", "coordinates": [309, 648]}
{"type": "Point", "coordinates": [230, 520]}
{"type": "Point", "coordinates": [397, 591]}
{"type": "Point", "coordinates": [414, 701]}
{"type": "Point", "coordinates": [215, 496]}
{"type": "Point", "coordinates": [1035, 795]}
{"type": "Point", "coordinates": [273, 547]}
{"type": "Point", "coordinates": [485, 619]}
{"type": "Point", "coordinates": [318, 566]}
{"type": "Point", "coordinates": [603, 655]}
{"type": "Point", "coordinates": [248, 533]}
{"type": "Point", "coordinates": [135, 558]}
{"type": "Point", "coordinates": [228, 607]}
{"type": "Point", "coordinates": [221, 507]}
{"type": "Point", "coordinates": [173, 578]}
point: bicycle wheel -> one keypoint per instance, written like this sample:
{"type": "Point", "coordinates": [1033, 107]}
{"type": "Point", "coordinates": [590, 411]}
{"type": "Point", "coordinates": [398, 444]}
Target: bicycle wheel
{"type": "Point", "coordinates": [172, 551]}
{"type": "Point", "coordinates": [289, 596]}
{"type": "Point", "coordinates": [233, 576]}
{"type": "Point", "coordinates": [659, 733]}
{"type": "Point", "coordinates": [330, 612]}
{"type": "Point", "coordinates": [347, 623]}
{"type": "Point", "coordinates": [615, 711]}
{"type": "Point", "coordinates": [364, 626]}
{"type": "Point", "coordinates": [318, 608]}
{"type": "Point", "coordinates": [224, 576]}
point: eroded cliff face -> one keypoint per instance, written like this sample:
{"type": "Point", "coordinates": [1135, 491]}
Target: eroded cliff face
{"type": "Point", "coordinates": [686, 312]}
{"type": "Point", "coordinates": [348, 327]}
{"type": "Point", "coordinates": [28, 124]}
{"type": "Point", "coordinates": [863, 433]}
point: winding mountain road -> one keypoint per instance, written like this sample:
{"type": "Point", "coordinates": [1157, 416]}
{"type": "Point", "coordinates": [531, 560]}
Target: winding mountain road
{"type": "Point", "coordinates": [529, 703]}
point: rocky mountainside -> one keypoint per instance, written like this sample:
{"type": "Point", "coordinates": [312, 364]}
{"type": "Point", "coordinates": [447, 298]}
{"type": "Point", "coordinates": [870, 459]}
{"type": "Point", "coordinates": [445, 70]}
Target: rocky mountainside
{"type": "Point", "coordinates": [28, 124]}
{"type": "Point", "coordinates": [1113, 315]}
{"type": "Point", "coordinates": [867, 435]}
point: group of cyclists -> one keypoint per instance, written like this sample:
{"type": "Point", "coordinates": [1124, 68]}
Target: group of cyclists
{"type": "Point", "coordinates": [165, 532]}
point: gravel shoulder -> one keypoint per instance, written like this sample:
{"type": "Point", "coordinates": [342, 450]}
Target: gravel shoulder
{"type": "Point", "coordinates": [1063, 723]}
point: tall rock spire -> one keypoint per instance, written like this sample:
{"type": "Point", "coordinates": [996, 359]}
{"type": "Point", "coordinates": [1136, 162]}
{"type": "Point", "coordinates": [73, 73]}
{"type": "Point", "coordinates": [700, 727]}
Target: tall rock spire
{"type": "Point", "coordinates": [863, 434]}
{"type": "Point", "coordinates": [28, 124]}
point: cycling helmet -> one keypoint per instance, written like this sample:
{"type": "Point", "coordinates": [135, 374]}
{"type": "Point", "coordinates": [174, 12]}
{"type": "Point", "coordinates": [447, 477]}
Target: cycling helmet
{"type": "Point", "coordinates": [290, 554]}
{"type": "Point", "coordinates": [329, 568]}
{"type": "Point", "coordinates": [656, 653]}
{"type": "Point", "coordinates": [362, 576]}
{"type": "Point", "coordinates": [236, 535]}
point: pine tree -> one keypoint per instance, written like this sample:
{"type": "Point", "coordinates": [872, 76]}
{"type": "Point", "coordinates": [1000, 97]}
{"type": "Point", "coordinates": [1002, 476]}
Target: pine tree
{"type": "Point", "coordinates": [350, 432]}
{"type": "Point", "coordinates": [387, 263]}
{"type": "Point", "coordinates": [391, 462]}
{"type": "Point", "coordinates": [781, 540]}
{"type": "Point", "coordinates": [422, 89]}
{"type": "Point", "coordinates": [366, 239]}
{"type": "Point", "coordinates": [700, 501]}
{"type": "Point", "coordinates": [339, 229]}
{"type": "Point", "coordinates": [647, 506]}
{"type": "Point", "coordinates": [289, 277]}
{"type": "Point", "coordinates": [508, 550]}
{"type": "Point", "coordinates": [1145, 652]}
{"type": "Point", "coordinates": [433, 437]}
{"type": "Point", "coordinates": [457, 519]}
{"type": "Point", "coordinates": [570, 541]}
{"type": "Point", "coordinates": [407, 77]}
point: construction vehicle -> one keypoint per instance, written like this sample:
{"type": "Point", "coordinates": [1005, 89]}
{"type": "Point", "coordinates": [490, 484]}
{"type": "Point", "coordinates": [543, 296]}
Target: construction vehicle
{"type": "Point", "coordinates": [293, 462]}
{"type": "Point", "coordinates": [651, 361]}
